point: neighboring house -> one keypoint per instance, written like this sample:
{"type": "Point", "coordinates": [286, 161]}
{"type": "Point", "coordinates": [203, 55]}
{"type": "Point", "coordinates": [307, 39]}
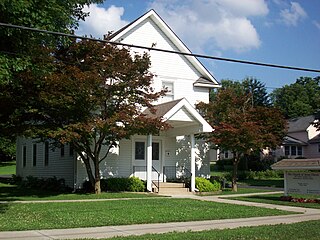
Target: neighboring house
{"type": "Point", "coordinates": [171, 153]}
{"type": "Point", "coordinates": [302, 140]}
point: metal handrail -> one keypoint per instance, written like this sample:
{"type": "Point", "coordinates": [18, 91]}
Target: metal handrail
{"type": "Point", "coordinates": [185, 179]}
{"type": "Point", "coordinates": [158, 186]}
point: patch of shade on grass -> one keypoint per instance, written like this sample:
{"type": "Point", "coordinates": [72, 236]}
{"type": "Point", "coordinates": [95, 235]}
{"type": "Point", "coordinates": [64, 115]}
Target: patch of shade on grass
{"type": "Point", "coordinates": [297, 231]}
{"type": "Point", "coordinates": [275, 199]}
{"type": "Point", "coordinates": [278, 183]}
{"type": "Point", "coordinates": [15, 216]}
{"type": "Point", "coordinates": [14, 193]}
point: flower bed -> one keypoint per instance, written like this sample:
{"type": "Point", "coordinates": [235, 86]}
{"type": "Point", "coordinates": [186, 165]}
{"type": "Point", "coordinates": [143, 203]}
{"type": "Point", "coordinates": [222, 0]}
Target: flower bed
{"type": "Point", "coordinates": [299, 200]}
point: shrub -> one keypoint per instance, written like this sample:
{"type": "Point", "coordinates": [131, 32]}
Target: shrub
{"type": "Point", "coordinates": [132, 184]}
{"type": "Point", "coordinates": [220, 179]}
{"type": "Point", "coordinates": [204, 185]}
{"type": "Point", "coordinates": [135, 185]}
{"type": "Point", "coordinates": [48, 184]}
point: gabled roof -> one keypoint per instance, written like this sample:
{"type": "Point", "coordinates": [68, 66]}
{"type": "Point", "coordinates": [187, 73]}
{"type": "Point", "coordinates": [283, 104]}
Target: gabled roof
{"type": "Point", "coordinates": [152, 15]}
{"type": "Point", "coordinates": [161, 109]}
{"type": "Point", "coordinates": [297, 164]}
{"type": "Point", "coordinates": [169, 109]}
{"type": "Point", "coordinates": [300, 123]}
{"type": "Point", "coordinates": [293, 141]}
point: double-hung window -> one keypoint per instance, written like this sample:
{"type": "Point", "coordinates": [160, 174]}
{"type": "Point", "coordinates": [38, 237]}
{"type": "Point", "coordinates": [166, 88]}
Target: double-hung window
{"type": "Point", "coordinates": [169, 86]}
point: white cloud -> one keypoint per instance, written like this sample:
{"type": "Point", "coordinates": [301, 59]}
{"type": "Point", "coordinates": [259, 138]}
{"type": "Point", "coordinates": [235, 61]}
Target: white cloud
{"type": "Point", "coordinates": [214, 24]}
{"type": "Point", "coordinates": [291, 16]}
{"type": "Point", "coordinates": [101, 20]}
{"type": "Point", "coordinates": [317, 24]}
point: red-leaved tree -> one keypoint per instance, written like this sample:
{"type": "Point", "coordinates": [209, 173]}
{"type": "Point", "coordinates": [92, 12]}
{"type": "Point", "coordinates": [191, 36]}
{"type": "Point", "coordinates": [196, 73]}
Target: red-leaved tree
{"type": "Point", "coordinates": [241, 127]}
{"type": "Point", "coordinates": [92, 98]}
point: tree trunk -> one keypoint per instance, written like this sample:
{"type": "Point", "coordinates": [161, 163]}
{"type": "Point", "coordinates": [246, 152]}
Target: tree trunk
{"type": "Point", "coordinates": [97, 187]}
{"type": "Point", "coordinates": [235, 172]}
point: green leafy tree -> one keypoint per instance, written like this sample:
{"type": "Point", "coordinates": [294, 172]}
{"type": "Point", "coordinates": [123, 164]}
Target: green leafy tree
{"type": "Point", "coordinates": [301, 98]}
{"type": "Point", "coordinates": [241, 127]}
{"type": "Point", "coordinates": [20, 49]}
{"type": "Point", "coordinates": [252, 86]}
{"type": "Point", "coordinates": [92, 98]}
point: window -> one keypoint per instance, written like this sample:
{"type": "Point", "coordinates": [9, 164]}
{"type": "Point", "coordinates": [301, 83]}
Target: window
{"type": "Point", "coordinates": [293, 150]}
{"type": "Point", "coordinates": [46, 153]}
{"type": "Point", "coordinates": [139, 151]}
{"type": "Point", "coordinates": [70, 150]}
{"type": "Point", "coordinates": [24, 156]}
{"type": "Point", "coordinates": [62, 151]}
{"type": "Point", "coordinates": [226, 154]}
{"type": "Point", "coordinates": [287, 150]}
{"type": "Point", "coordinates": [170, 91]}
{"type": "Point", "coordinates": [299, 151]}
{"type": "Point", "coordinates": [155, 151]}
{"type": "Point", "coordinates": [34, 155]}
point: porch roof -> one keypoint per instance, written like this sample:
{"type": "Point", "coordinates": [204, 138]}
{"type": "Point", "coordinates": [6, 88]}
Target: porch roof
{"type": "Point", "coordinates": [297, 164]}
{"type": "Point", "coordinates": [180, 114]}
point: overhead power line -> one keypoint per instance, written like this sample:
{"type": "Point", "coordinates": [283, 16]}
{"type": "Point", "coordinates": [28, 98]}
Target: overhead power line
{"type": "Point", "coordinates": [162, 50]}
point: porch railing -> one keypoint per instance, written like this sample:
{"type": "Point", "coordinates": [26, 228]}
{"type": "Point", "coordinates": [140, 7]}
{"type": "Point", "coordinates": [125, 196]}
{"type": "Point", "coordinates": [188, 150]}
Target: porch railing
{"type": "Point", "coordinates": [177, 174]}
{"type": "Point", "coordinates": [157, 183]}
{"type": "Point", "coordinates": [143, 174]}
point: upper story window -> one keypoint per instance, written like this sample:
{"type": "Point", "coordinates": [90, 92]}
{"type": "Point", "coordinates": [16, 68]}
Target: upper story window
{"type": "Point", "coordinates": [170, 91]}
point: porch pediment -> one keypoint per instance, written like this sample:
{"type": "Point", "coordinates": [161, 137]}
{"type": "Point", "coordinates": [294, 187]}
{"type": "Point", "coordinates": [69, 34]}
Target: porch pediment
{"type": "Point", "coordinates": [182, 116]}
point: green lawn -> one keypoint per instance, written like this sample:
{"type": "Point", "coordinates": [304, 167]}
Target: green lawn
{"type": "Point", "coordinates": [297, 231]}
{"type": "Point", "coordinates": [228, 191]}
{"type": "Point", "coordinates": [14, 193]}
{"type": "Point", "coordinates": [275, 199]}
{"type": "Point", "coordinates": [264, 182]}
{"type": "Point", "coordinates": [28, 216]}
{"type": "Point", "coordinates": [7, 168]}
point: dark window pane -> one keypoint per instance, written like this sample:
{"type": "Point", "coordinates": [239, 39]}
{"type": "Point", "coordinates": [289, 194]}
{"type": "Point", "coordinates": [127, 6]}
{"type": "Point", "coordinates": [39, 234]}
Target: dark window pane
{"type": "Point", "coordinates": [155, 151]}
{"type": "Point", "coordinates": [293, 150]}
{"type": "Point", "coordinates": [34, 155]}
{"type": "Point", "coordinates": [24, 156]}
{"type": "Point", "coordinates": [62, 151]}
{"type": "Point", "coordinates": [46, 153]}
{"type": "Point", "coordinates": [70, 150]}
{"type": "Point", "coordinates": [299, 150]}
{"type": "Point", "coordinates": [139, 150]}
{"type": "Point", "coordinates": [287, 150]}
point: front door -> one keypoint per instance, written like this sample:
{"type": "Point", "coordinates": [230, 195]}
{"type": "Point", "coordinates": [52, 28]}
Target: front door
{"type": "Point", "coordinates": [140, 159]}
{"type": "Point", "coordinates": [156, 156]}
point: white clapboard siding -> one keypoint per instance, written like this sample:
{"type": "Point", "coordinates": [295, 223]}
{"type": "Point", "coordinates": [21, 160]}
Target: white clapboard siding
{"type": "Point", "coordinates": [166, 66]}
{"type": "Point", "coordinates": [59, 167]}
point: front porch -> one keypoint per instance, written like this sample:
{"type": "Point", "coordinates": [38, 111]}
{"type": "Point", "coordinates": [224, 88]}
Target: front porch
{"type": "Point", "coordinates": [172, 155]}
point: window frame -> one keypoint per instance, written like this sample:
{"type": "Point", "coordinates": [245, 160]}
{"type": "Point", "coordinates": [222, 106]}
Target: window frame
{"type": "Point", "coordinates": [34, 155]}
{"type": "Point", "coordinates": [46, 153]}
{"type": "Point", "coordinates": [24, 156]}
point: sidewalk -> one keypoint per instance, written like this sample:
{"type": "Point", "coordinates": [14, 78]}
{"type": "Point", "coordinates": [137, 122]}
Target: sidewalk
{"type": "Point", "coordinates": [139, 229]}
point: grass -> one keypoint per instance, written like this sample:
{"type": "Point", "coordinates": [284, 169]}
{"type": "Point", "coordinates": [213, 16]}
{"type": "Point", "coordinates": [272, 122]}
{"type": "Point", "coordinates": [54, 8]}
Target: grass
{"type": "Point", "coordinates": [228, 191]}
{"type": "Point", "coordinates": [18, 216]}
{"type": "Point", "coordinates": [264, 182]}
{"type": "Point", "coordinates": [298, 231]}
{"type": "Point", "coordinates": [275, 199]}
{"type": "Point", "coordinates": [7, 168]}
{"type": "Point", "coordinates": [14, 193]}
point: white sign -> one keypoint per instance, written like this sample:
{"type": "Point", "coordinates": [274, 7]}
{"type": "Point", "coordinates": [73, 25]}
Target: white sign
{"type": "Point", "coordinates": [303, 182]}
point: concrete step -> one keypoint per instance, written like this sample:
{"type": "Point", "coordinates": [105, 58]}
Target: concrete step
{"type": "Point", "coordinates": [172, 188]}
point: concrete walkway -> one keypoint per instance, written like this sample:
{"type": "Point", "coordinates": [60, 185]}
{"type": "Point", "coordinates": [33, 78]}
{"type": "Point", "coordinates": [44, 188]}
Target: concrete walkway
{"type": "Point", "coordinates": [303, 214]}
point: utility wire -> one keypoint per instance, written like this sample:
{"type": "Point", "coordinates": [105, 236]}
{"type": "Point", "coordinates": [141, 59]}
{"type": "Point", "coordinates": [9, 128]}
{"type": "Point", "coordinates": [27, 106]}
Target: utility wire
{"type": "Point", "coordinates": [161, 50]}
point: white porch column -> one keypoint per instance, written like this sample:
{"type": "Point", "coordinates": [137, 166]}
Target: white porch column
{"type": "Point", "coordinates": [149, 163]}
{"type": "Point", "coordinates": [193, 163]}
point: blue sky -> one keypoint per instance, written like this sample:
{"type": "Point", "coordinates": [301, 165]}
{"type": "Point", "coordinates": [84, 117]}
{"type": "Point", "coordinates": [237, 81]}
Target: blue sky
{"type": "Point", "coordinates": [273, 31]}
